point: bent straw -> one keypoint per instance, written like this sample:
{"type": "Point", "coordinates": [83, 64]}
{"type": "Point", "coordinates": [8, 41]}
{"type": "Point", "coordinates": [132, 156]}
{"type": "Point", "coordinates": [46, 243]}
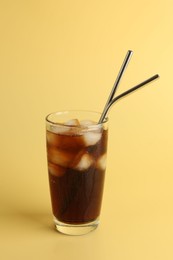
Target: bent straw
{"type": "Point", "coordinates": [124, 94]}
{"type": "Point", "coordinates": [117, 81]}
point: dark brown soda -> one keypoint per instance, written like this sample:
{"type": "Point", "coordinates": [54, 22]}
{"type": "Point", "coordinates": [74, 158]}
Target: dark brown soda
{"type": "Point", "coordinates": [76, 195]}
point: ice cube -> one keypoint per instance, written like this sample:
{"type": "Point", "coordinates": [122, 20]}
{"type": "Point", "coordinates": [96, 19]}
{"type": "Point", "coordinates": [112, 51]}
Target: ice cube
{"type": "Point", "coordinates": [73, 127]}
{"type": "Point", "coordinates": [101, 162]}
{"type": "Point", "coordinates": [91, 138]}
{"type": "Point", "coordinates": [51, 138]}
{"type": "Point", "coordinates": [84, 162]}
{"type": "Point", "coordinates": [87, 123]}
{"type": "Point", "coordinates": [72, 122]}
{"type": "Point", "coordinates": [55, 169]}
{"type": "Point", "coordinates": [65, 141]}
{"type": "Point", "coordinates": [58, 129]}
{"type": "Point", "coordinates": [60, 157]}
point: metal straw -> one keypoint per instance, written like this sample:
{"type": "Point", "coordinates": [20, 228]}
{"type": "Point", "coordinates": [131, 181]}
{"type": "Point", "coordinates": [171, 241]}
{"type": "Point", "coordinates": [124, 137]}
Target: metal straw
{"type": "Point", "coordinates": [124, 94]}
{"type": "Point", "coordinates": [117, 81]}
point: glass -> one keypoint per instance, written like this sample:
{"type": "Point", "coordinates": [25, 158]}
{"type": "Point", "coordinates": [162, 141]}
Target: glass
{"type": "Point", "coordinates": [76, 154]}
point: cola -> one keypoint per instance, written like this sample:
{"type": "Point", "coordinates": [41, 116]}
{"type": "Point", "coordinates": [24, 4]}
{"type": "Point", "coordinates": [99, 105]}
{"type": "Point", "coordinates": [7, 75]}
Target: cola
{"type": "Point", "coordinates": [76, 155]}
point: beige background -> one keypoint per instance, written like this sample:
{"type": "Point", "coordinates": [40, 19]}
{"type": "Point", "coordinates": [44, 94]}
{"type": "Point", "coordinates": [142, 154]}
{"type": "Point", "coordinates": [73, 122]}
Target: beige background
{"type": "Point", "coordinates": [63, 54]}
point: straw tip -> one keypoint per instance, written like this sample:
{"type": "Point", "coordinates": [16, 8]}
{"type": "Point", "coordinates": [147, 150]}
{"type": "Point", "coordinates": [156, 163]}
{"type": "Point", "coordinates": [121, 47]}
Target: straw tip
{"type": "Point", "coordinates": [157, 76]}
{"type": "Point", "coordinates": [130, 51]}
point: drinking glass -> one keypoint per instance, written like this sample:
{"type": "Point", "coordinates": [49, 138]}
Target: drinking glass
{"type": "Point", "coordinates": [76, 155]}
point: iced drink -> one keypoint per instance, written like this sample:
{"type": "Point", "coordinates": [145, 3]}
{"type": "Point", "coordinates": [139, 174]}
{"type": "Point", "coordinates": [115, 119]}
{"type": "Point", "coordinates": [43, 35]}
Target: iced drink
{"type": "Point", "coordinates": [76, 152]}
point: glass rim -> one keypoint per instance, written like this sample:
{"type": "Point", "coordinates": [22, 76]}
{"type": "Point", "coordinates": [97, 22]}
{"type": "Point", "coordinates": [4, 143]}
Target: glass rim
{"type": "Point", "coordinates": [61, 112]}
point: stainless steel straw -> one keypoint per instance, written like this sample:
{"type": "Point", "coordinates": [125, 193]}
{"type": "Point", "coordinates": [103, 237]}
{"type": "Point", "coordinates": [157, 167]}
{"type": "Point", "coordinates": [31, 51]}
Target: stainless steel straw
{"type": "Point", "coordinates": [117, 81]}
{"type": "Point", "coordinates": [124, 94]}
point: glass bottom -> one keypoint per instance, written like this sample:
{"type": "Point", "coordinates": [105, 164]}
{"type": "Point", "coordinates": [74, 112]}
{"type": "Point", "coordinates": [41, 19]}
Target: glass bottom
{"type": "Point", "coordinates": [75, 229]}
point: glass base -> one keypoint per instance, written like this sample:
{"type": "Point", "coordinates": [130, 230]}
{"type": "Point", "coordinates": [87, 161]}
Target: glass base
{"type": "Point", "coordinates": [75, 229]}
